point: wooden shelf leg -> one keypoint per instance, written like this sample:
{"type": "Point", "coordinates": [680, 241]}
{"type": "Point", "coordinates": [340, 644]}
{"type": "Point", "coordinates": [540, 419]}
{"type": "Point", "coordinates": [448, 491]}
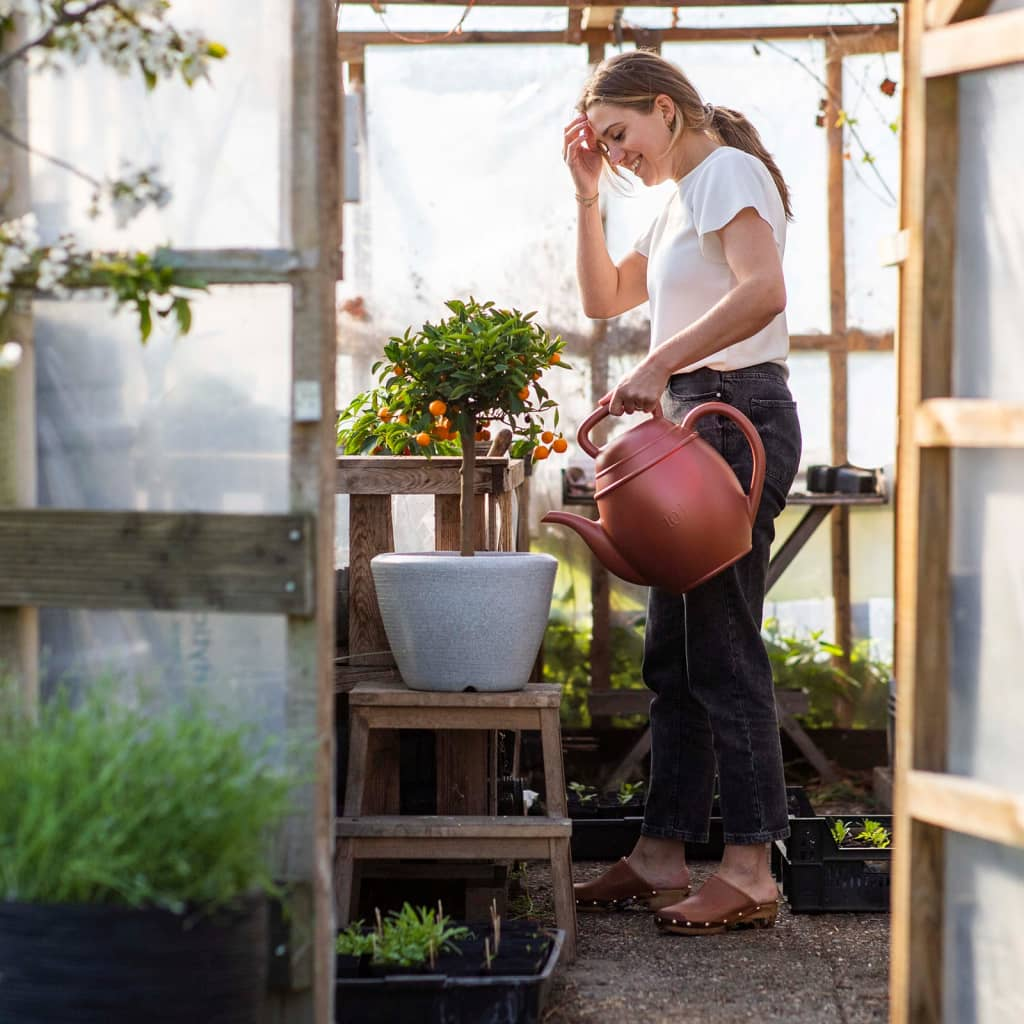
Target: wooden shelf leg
{"type": "Point", "coordinates": [358, 751]}
{"type": "Point", "coordinates": [554, 772]}
{"type": "Point", "coordinates": [562, 891]}
{"type": "Point", "coordinates": [344, 881]}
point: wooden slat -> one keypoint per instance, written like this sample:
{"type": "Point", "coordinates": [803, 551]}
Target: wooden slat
{"type": "Point", "coordinates": [370, 533]}
{"type": "Point", "coordinates": [969, 423]}
{"type": "Point", "coordinates": [414, 474]}
{"type": "Point", "coordinates": [238, 266]}
{"type": "Point", "coordinates": [519, 826]}
{"type": "Point", "coordinates": [944, 12]}
{"type": "Point", "coordinates": [19, 627]}
{"type": "Point", "coordinates": [892, 250]}
{"type": "Point", "coordinates": [450, 848]}
{"type": "Point", "coordinates": [852, 38]}
{"type": "Point", "coordinates": [305, 847]}
{"type": "Point", "coordinates": [928, 197]}
{"type": "Point", "coordinates": [376, 693]}
{"type": "Point", "coordinates": [461, 757]}
{"type": "Point", "coordinates": [853, 340]}
{"type": "Point", "coordinates": [989, 42]}
{"type": "Point", "coordinates": [171, 561]}
{"type": "Point", "coordinates": [453, 718]}
{"type": "Point", "coordinates": [965, 805]}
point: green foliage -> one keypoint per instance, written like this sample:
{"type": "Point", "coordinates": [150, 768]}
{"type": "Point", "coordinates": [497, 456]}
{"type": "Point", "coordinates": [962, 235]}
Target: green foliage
{"type": "Point", "coordinates": [479, 361]}
{"type": "Point", "coordinates": [106, 802]}
{"type": "Point", "coordinates": [874, 833]}
{"type": "Point", "coordinates": [811, 664]}
{"type": "Point", "coordinates": [410, 937]}
{"type": "Point", "coordinates": [840, 830]}
{"type": "Point", "coordinates": [584, 793]}
{"type": "Point", "coordinates": [629, 791]}
{"type": "Point", "coordinates": [567, 662]}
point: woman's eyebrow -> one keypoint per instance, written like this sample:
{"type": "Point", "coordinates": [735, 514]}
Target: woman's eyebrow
{"type": "Point", "coordinates": [608, 130]}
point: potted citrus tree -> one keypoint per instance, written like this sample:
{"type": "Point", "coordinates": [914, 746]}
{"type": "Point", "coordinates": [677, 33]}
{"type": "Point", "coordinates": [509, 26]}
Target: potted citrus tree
{"type": "Point", "coordinates": [134, 861]}
{"type": "Point", "coordinates": [441, 389]}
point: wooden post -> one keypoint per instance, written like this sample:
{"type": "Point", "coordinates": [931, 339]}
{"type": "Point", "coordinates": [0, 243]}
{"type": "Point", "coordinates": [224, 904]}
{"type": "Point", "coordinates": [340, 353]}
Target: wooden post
{"type": "Point", "coordinates": [838, 361]}
{"type": "Point", "coordinates": [19, 627]}
{"type": "Point", "coordinates": [928, 213]}
{"type": "Point", "coordinates": [313, 195]}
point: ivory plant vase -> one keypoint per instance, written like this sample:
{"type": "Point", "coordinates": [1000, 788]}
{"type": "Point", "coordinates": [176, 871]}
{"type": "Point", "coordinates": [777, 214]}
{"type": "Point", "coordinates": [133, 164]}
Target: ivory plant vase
{"type": "Point", "coordinates": [464, 623]}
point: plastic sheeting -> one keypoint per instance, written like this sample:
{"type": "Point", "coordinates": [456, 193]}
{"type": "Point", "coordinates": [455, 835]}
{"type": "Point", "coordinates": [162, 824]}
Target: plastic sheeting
{"type": "Point", "coordinates": [985, 882]}
{"type": "Point", "coordinates": [198, 423]}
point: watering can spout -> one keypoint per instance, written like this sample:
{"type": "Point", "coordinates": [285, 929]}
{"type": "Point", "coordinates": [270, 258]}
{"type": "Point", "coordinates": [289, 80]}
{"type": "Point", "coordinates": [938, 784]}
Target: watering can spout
{"type": "Point", "coordinates": [595, 537]}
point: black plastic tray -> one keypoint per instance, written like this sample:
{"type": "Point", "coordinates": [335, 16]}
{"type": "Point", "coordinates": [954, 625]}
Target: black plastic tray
{"type": "Point", "coordinates": [611, 838]}
{"type": "Point", "coordinates": [441, 999]}
{"type": "Point", "coordinates": [819, 877]}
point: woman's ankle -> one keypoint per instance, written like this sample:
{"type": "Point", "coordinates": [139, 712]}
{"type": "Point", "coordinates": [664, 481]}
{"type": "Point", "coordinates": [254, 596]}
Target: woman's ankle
{"type": "Point", "coordinates": [656, 855]}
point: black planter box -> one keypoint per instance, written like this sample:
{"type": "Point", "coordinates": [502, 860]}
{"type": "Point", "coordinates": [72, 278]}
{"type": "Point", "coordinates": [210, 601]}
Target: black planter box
{"type": "Point", "coordinates": [596, 838]}
{"type": "Point", "coordinates": [818, 876]}
{"type": "Point", "coordinates": [514, 993]}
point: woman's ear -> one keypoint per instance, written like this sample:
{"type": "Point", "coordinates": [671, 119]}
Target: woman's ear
{"type": "Point", "coordinates": [666, 108]}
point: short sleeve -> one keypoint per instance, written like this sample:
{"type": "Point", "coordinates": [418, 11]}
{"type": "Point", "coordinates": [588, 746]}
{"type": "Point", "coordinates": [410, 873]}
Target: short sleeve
{"type": "Point", "coordinates": [731, 183]}
{"type": "Point", "coordinates": [643, 244]}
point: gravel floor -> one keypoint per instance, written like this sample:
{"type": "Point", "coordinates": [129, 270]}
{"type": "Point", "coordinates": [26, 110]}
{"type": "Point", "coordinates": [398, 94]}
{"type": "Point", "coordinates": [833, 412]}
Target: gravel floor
{"type": "Point", "coordinates": [808, 969]}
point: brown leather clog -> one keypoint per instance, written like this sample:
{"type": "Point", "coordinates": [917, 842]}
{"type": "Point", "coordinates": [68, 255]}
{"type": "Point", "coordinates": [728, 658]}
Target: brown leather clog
{"type": "Point", "coordinates": [621, 887]}
{"type": "Point", "coordinates": [716, 908]}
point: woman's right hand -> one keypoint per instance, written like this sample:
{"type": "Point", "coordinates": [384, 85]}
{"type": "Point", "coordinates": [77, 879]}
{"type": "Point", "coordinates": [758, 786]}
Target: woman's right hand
{"type": "Point", "coordinates": [582, 156]}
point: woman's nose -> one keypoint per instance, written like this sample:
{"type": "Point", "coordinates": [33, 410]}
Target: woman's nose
{"type": "Point", "coordinates": [615, 154]}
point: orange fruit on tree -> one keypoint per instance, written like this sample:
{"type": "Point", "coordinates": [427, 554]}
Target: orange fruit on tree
{"type": "Point", "coordinates": [560, 445]}
{"type": "Point", "coordinates": [423, 439]}
{"type": "Point", "coordinates": [399, 371]}
{"type": "Point", "coordinates": [403, 419]}
{"type": "Point", "coordinates": [485, 435]}
{"type": "Point", "coordinates": [556, 357]}
{"type": "Point", "coordinates": [537, 375]}
{"type": "Point", "coordinates": [384, 413]}
{"type": "Point", "coordinates": [547, 437]}
{"type": "Point", "coordinates": [437, 407]}
{"type": "Point", "coordinates": [540, 452]}
{"type": "Point", "coordinates": [524, 393]}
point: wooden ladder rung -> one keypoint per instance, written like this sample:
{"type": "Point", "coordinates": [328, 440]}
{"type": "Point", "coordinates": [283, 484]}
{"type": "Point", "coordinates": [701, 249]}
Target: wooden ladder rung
{"type": "Point", "coordinates": [407, 826]}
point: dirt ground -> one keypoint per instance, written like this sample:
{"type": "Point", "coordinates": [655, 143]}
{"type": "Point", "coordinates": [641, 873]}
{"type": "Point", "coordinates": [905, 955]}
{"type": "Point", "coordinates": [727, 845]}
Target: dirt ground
{"type": "Point", "coordinates": [808, 969]}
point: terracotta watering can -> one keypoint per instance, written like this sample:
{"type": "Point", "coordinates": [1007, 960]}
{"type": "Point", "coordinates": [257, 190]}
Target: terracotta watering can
{"type": "Point", "coordinates": [672, 513]}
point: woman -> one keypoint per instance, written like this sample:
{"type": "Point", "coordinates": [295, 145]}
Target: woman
{"type": "Point", "coordinates": [711, 267]}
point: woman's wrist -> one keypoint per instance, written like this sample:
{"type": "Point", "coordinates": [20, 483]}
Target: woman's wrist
{"type": "Point", "coordinates": [587, 201]}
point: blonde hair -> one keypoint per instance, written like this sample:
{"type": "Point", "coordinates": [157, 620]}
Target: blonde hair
{"type": "Point", "coordinates": [635, 78]}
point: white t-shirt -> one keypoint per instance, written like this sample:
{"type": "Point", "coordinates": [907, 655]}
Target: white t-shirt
{"type": "Point", "coordinates": [686, 269]}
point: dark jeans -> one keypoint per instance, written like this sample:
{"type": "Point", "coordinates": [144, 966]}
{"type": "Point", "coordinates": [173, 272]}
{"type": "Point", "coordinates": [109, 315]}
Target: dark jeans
{"type": "Point", "coordinates": [704, 658]}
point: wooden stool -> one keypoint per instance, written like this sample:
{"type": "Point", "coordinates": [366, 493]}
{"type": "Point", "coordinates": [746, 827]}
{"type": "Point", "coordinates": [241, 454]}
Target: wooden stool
{"type": "Point", "coordinates": [392, 705]}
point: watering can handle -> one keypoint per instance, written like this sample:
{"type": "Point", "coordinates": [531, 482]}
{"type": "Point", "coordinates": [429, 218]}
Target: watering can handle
{"type": "Point", "coordinates": [583, 434]}
{"type": "Point", "coordinates": [753, 439]}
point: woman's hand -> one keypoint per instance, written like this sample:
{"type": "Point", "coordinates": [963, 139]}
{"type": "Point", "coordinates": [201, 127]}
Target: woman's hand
{"type": "Point", "coordinates": [638, 391]}
{"type": "Point", "coordinates": [582, 156]}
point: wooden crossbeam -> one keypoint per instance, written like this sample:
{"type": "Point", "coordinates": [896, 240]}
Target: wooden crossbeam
{"type": "Point", "coordinates": [969, 423]}
{"type": "Point", "coordinates": [989, 42]}
{"type": "Point", "coordinates": [848, 39]}
{"type": "Point", "coordinates": [168, 561]}
{"type": "Point", "coordinates": [965, 805]}
{"type": "Point", "coordinates": [945, 12]}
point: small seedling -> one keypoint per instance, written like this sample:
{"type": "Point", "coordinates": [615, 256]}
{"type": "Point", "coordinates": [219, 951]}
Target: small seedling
{"type": "Point", "coordinates": [876, 834]}
{"type": "Point", "coordinates": [630, 791]}
{"type": "Point", "coordinates": [496, 926]}
{"type": "Point", "coordinates": [584, 793]}
{"type": "Point", "coordinates": [354, 940]}
{"type": "Point", "coordinates": [840, 831]}
{"type": "Point", "coordinates": [412, 937]}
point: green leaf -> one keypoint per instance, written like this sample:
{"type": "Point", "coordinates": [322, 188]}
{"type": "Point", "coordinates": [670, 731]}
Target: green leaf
{"type": "Point", "coordinates": [184, 314]}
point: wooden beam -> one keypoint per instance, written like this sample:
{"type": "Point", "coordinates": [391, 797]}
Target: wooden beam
{"type": "Point", "coordinates": [964, 805]}
{"type": "Point", "coordinates": [305, 847]}
{"type": "Point", "coordinates": [928, 213]}
{"type": "Point", "coordinates": [875, 38]}
{"type": "Point", "coordinates": [945, 12]}
{"type": "Point", "coordinates": [238, 266]}
{"type": "Point", "coordinates": [969, 423]}
{"type": "Point", "coordinates": [169, 561]}
{"type": "Point", "coordinates": [989, 42]}
{"type": "Point", "coordinates": [415, 474]}
{"type": "Point", "coordinates": [19, 627]}
{"type": "Point", "coordinates": [892, 250]}
{"type": "Point", "coordinates": [619, 3]}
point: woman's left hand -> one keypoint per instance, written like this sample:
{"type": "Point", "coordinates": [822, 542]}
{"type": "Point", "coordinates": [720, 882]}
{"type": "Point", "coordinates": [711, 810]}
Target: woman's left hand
{"type": "Point", "coordinates": [639, 391]}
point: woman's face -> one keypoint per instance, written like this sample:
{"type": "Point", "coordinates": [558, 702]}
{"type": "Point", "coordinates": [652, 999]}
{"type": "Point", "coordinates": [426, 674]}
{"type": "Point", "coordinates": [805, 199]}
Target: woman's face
{"type": "Point", "coordinates": [634, 140]}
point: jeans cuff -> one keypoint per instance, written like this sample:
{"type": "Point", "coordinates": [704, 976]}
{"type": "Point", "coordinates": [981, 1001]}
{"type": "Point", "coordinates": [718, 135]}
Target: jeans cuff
{"type": "Point", "coordinates": [752, 838]}
{"type": "Point", "coordinates": [673, 833]}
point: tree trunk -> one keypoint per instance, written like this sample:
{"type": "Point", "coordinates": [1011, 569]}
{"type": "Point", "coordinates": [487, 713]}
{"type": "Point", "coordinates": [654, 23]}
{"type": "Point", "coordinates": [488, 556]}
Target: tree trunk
{"type": "Point", "coordinates": [467, 509]}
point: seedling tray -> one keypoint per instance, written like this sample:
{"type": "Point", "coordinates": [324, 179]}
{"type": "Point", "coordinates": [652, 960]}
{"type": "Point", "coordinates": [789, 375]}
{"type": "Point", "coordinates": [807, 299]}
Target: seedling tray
{"type": "Point", "coordinates": [820, 877]}
{"type": "Point", "coordinates": [595, 838]}
{"type": "Point", "coordinates": [451, 998]}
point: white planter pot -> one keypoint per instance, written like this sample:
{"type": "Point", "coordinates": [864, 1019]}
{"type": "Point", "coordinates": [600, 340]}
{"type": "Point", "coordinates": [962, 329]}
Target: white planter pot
{"type": "Point", "coordinates": [458, 623]}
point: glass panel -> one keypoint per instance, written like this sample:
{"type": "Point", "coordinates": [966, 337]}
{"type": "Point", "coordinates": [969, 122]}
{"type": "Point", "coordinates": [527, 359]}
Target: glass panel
{"type": "Point", "coordinates": [988, 358]}
{"type": "Point", "coordinates": [219, 145]}
{"type": "Point", "coordinates": [198, 423]}
{"type": "Point", "coordinates": [987, 704]}
{"type": "Point", "coordinates": [984, 946]}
